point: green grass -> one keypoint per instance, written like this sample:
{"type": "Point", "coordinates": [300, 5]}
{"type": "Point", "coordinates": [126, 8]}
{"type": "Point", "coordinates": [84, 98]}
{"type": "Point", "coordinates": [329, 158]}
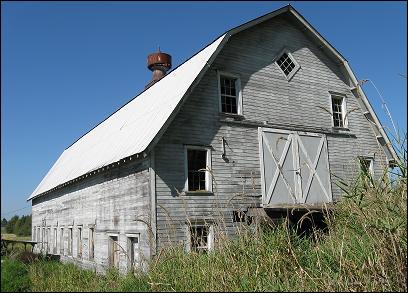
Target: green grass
{"type": "Point", "coordinates": [363, 249]}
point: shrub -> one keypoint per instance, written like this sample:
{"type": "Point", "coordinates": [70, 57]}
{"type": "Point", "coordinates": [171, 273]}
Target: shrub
{"type": "Point", "coordinates": [14, 276]}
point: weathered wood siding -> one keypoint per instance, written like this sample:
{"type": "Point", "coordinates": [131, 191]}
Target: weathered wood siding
{"type": "Point", "coordinates": [267, 96]}
{"type": "Point", "coordinates": [114, 201]}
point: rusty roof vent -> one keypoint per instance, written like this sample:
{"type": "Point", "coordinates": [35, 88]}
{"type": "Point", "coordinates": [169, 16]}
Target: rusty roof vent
{"type": "Point", "coordinates": [159, 63]}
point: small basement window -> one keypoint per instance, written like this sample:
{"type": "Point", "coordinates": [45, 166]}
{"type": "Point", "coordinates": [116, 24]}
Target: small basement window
{"type": "Point", "coordinates": [230, 93]}
{"type": "Point", "coordinates": [339, 111]}
{"type": "Point", "coordinates": [366, 165]}
{"type": "Point", "coordinates": [201, 238]}
{"type": "Point", "coordinates": [287, 64]}
{"type": "Point", "coordinates": [241, 216]}
{"type": "Point", "coordinates": [198, 178]}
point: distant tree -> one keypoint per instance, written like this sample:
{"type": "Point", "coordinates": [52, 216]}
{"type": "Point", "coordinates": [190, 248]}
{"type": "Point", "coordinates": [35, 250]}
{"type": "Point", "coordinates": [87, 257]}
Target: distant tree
{"type": "Point", "coordinates": [4, 222]}
{"type": "Point", "coordinates": [19, 226]}
{"type": "Point", "coordinates": [24, 226]}
{"type": "Point", "coordinates": [11, 224]}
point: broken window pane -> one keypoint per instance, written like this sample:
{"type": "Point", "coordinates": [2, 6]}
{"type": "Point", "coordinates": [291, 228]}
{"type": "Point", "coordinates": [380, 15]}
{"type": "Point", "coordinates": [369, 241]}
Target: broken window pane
{"type": "Point", "coordinates": [197, 161]}
{"type": "Point", "coordinates": [337, 111]}
{"type": "Point", "coordinates": [199, 238]}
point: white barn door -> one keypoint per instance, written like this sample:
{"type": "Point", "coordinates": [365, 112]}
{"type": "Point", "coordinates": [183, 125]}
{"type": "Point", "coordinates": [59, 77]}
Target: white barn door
{"type": "Point", "coordinates": [294, 168]}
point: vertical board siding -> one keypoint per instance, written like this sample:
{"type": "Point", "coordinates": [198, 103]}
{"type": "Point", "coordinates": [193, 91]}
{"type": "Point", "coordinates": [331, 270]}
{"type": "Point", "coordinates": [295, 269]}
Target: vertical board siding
{"type": "Point", "coordinates": [267, 96]}
{"type": "Point", "coordinates": [116, 201]}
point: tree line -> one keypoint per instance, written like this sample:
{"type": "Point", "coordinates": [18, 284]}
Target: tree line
{"type": "Point", "coordinates": [20, 226]}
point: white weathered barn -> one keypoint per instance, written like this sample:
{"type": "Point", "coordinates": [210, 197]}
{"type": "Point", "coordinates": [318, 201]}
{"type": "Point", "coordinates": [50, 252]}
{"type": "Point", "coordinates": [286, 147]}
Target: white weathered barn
{"type": "Point", "coordinates": [270, 110]}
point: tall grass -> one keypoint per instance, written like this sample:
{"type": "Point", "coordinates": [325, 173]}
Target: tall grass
{"type": "Point", "coordinates": [363, 249]}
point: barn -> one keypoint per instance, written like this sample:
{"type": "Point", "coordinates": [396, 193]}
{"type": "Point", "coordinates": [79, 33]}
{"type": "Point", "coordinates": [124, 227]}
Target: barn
{"type": "Point", "coordinates": [266, 117]}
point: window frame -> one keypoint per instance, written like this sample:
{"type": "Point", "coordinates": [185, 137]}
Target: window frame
{"type": "Point", "coordinates": [79, 251]}
{"type": "Point", "coordinates": [294, 70]}
{"type": "Point", "coordinates": [55, 240]}
{"type": "Point", "coordinates": [210, 236]}
{"type": "Point", "coordinates": [238, 89]}
{"type": "Point", "coordinates": [343, 109]}
{"type": "Point", "coordinates": [70, 251]}
{"type": "Point", "coordinates": [208, 176]}
{"type": "Point", "coordinates": [91, 242]}
{"type": "Point", "coordinates": [371, 166]}
{"type": "Point", "coordinates": [131, 256]}
{"type": "Point", "coordinates": [62, 241]}
{"type": "Point", "coordinates": [48, 235]}
{"type": "Point", "coordinates": [112, 244]}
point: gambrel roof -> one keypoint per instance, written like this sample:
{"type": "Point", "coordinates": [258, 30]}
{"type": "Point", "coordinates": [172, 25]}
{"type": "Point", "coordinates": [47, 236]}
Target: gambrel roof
{"type": "Point", "coordinates": [134, 129]}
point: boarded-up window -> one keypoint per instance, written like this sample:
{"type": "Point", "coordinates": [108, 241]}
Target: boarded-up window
{"type": "Point", "coordinates": [91, 243]}
{"type": "Point", "coordinates": [113, 251]}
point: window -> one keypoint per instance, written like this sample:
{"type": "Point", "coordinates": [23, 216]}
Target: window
{"type": "Point", "coordinates": [34, 236]}
{"type": "Point", "coordinates": [366, 165]}
{"type": "Point", "coordinates": [55, 241]}
{"type": "Point", "coordinates": [91, 243]}
{"type": "Point", "coordinates": [79, 242]}
{"type": "Point", "coordinates": [287, 64]}
{"type": "Point", "coordinates": [38, 234]}
{"type": "Point", "coordinates": [201, 238]}
{"type": "Point", "coordinates": [42, 237]}
{"type": "Point", "coordinates": [241, 216]}
{"type": "Point", "coordinates": [230, 93]}
{"type": "Point", "coordinates": [62, 241]}
{"type": "Point", "coordinates": [49, 247]}
{"type": "Point", "coordinates": [198, 164]}
{"type": "Point", "coordinates": [70, 240]}
{"type": "Point", "coordinates": [133, 250]}
{"type": "Point", "coordinates": [113, 251]}
{"type": "Point", "coordinates": [339, 111]}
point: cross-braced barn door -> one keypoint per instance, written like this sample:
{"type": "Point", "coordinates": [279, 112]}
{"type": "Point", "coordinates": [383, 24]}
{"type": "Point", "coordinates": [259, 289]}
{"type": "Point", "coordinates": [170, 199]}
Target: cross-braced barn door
{"type": "Point", "coordinates": [294, 168]}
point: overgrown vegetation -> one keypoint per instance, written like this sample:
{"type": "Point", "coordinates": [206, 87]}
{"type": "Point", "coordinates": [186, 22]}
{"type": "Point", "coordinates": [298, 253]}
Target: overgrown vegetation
{"type": "Point", "coordinates": [363, 249]}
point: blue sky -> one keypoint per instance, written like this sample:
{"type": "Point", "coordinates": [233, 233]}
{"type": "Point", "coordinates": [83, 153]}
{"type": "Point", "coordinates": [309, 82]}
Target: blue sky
{"type": "Point", "coordinates": [65, 66]}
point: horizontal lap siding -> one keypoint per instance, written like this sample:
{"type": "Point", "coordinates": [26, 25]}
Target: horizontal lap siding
{"type": "Point", "coordinates": [114, 201]}
{"type": "Point", "coordinates": [267, 96]}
